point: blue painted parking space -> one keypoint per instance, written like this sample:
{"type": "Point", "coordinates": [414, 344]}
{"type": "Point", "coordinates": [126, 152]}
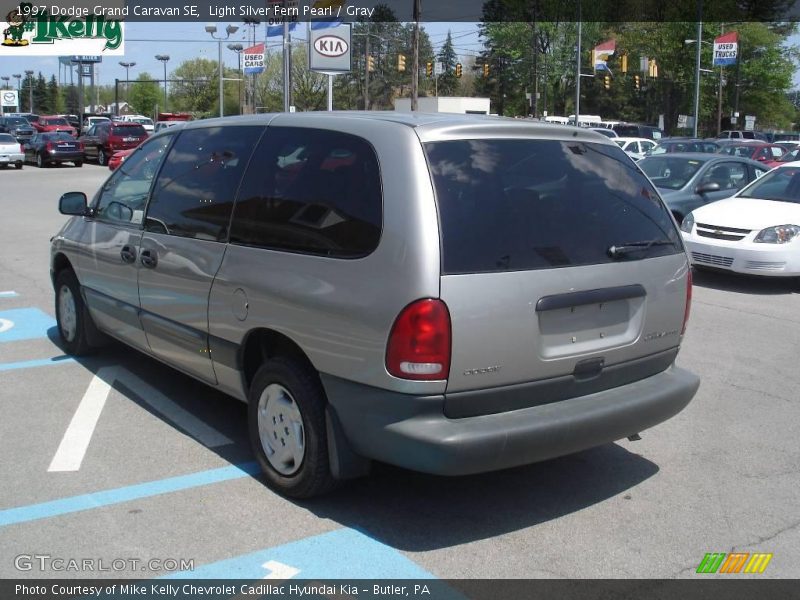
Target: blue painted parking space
{"type": "Point", "coordinates": [340, 554]}
{"type": "Point", "coordinates": [24, 324]}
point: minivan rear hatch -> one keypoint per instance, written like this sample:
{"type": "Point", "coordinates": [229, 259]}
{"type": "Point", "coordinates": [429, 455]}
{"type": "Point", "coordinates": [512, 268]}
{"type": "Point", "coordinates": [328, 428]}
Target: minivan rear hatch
{"type": "Point", "coordinates": [560, 265]}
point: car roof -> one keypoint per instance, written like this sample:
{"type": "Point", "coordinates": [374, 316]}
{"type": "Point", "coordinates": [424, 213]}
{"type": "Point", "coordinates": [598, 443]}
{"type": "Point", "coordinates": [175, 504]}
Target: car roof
{"type": "Point", "coordinates": [427, 126]}
{"type": "Point", "coordinates": [706, 157]}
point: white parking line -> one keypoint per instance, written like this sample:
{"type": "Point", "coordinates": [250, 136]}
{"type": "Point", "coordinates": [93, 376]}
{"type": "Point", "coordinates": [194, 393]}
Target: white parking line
{"type": "Point", "coordinates": [5, 325]}
{"type": "Point", "coordinates": [72, 448]}
{"type": "Point", "coordinates": [8, 294]}
{"type": "Point", "coordinates": [75, 442]}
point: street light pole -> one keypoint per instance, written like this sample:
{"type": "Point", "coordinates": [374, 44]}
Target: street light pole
{"type": "Point", "coordinates": [229, 30]}
{"type": "Point", "coordinates": [238, 48]}
{"type": "Point", "coordinates": [126, 66]}
{"type": "Point", "coordinates": [29, 73]}
{"type": "Point", "coordinates": [18, 77]}
{"type": "Point", "coordinates": [164, 58]}
{"type": "Point", "coordinates": [697, 66]}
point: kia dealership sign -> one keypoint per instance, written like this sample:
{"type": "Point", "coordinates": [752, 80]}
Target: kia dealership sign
{"type": "Point", "coordinates": [330, 49]}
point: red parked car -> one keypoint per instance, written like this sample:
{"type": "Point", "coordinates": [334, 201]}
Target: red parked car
{"type": "Point", "coordinates": [103, 139]}
{"type": "Point", "coordinates": [52, 124]}
{"type": "Point", "coordinates": [118, 158]}
{"type": "Point", "coordinates": [755, 150]}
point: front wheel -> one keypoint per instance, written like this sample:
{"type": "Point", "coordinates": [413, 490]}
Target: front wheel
{"type": "Point", "coordinates": [286, 420]}
{"type": "Point", "coordinates": [40, 162]}
{"type": "Point", "coordinates": [72, 316]}
{"type": "Point", "coordinates": [18, 165]}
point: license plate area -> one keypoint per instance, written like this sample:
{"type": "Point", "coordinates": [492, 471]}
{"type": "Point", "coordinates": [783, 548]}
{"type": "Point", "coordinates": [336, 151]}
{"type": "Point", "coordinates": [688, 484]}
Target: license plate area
{"type": "Point", "coordinates": [588, 328]}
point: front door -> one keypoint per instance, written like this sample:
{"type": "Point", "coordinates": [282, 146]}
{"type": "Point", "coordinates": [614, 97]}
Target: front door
{"type": "Point", "coordinates": [110, 270]}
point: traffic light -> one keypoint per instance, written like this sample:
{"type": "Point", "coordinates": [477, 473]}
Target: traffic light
{"type": "Point", "coordinates": [652, 68]}
{"type": "Point", "coordinates": [624, 65]}
{"type": "Point", "coordinates": [401, 62]}
{"type": "Point", "coordinates": [429, 69]}
{"type": "Point", "coordinates": [607, 82]}
{"type": "Point", "coordinates": [458, 69]}
{"type": "Point", "coordinates": [636, 82]}
{"type": "Point", "coordinates": [370, 63]}
{"type": "Point", "coordinates": [485, 69]}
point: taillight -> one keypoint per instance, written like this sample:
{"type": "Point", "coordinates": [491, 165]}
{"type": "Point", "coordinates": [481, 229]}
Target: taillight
{"type": "Point", "coordinates": [21, 149]}
{"type": "Point", "coordinates": [80, 145]}
{"type": "Point", "coordinates": [419, 343]}
{"type": "Point", "coordinates": [49, 146]}
{"type": "Point", "coordinates": [688, 301]}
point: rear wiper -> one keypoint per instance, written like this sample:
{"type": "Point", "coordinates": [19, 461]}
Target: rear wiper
{"type": "Point", "coordinates": [623, 249]}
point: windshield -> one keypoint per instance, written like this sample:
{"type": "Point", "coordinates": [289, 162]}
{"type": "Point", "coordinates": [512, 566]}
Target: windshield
{"type": "Point", "coordinates": [791, 156]}
{"type": "Point", "coordinates": [519, 204]}
{"type": "Point", "coordinates": [669, 172]}
{"type": "Point", "coordinates": [57, 137]}
{"type": "Point", "coordinates": [17, 121]}
{"type": "Point", "coordinates": [781, 184]}
{"type": "Point", "coordinates": [55, 122]}
{"type": "Point", "coordinates": [143, 121]}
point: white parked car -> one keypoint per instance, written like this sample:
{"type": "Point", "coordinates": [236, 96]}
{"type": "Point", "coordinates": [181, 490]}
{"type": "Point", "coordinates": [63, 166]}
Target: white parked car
{"type": "Point", "coordinates": [635, 147]}
{"type": "Point", "coordinates": [142, 120]}
{"type": "Point", "coordinates": [757, 231]}
{"type": "Point", "coordinates": [11, 152]}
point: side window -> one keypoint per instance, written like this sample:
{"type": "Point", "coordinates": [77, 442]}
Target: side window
{"type": "Point", "coordinates": [90, 131]}
{"type": "Point", "coordinates": [729, 175]}
{"type": "Point", "coordinates": [194, 194]}
{"type": "Point", "coordinates": [776, 152]}
{"type": "Point", "coordinates": [122, 199]}
{"type": "Point", "coordinates": [646, 146]}
{"type": "Point", "coordinates": [311, 191]}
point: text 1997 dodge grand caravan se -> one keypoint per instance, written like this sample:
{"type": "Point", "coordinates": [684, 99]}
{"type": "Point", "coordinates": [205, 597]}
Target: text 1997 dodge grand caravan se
{"type": "Point", "coordinates": [446, 293]}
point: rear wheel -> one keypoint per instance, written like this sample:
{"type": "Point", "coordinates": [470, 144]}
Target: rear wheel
{"type": "Point", "coordinates": [78, 163]}
{"type": "Point", "coordinates": [18, 165]}
{"type": "Point", "coordinates": [287, 428]}
{"type": "Point", "coordinates": [101, 157]}
{"type": "Point", "coordinates": [72, 316]}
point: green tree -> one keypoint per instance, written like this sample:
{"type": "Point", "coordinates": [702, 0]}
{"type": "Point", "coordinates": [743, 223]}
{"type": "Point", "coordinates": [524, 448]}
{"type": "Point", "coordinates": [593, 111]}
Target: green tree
{"type": "Point", "coordinates": [144, 94]}
{"type": "Point", "coordinates": [196, 89]}
{"type": "Point", "coordinates": [41, 99]}
{"type": "Point", "coordinates": [54, 96]}
{"type": "Point", "coordinates": [448, 82]}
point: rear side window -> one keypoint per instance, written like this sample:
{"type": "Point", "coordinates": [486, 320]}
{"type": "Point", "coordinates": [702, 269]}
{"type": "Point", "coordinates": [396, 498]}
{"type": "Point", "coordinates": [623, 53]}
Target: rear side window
{"type": "Point", "coordinates": [194, 193]}
{"type": "Point", "coordinates": [134, 130]}
{"type": "Point", "coordinates": [311, 191]}
{"type": "Point", "coordinates": [509, 205]}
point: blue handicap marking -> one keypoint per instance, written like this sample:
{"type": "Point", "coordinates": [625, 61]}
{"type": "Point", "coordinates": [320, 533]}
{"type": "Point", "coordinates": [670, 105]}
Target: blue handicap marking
{"type": "Point", "coordinates": [24, 324]}
{"type": "Point", "coordinates": [339, 554]}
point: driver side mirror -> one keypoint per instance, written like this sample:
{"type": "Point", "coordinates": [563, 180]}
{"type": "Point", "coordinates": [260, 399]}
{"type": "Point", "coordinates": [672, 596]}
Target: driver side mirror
{"type": "Point", "coordinates": [72, 203]}
{"type": "Point", "coordinates": [705, 188]}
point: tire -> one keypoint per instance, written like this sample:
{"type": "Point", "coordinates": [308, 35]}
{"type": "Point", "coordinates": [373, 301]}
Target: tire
{"type": "Point", "coordinates": [19, 166]}
{"type": "Point", "coordinates": [292, 456]}
{"type": "Point", "coordinates": [78, 163]}
{"type": "Point", "coordinates": [102, 159]}
{"type": "Point", "coordinates": [72, 317]}
{"type": "Point", "coordinates": [40, 162]}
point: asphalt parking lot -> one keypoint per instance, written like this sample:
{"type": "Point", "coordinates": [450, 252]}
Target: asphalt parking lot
{"type": "Point", "coordinates": [119, 458]}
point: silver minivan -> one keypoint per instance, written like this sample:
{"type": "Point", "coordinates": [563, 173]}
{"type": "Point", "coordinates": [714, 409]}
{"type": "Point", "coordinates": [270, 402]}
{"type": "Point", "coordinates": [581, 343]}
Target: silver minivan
{"type": "Point", "coordinates": [447, 293]}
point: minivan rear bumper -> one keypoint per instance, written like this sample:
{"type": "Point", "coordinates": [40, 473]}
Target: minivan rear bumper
{"type": "Point", "coordinates": [413, 432]}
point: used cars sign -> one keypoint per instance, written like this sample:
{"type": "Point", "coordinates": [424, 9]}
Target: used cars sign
{"type": "Point", "coordinates": [330, 50]}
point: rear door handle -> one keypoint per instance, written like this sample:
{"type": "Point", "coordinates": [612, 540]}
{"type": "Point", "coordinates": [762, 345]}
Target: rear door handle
{"type": "Point", "coordinates": [128, 254]}
{"type": "Point", "coordinates": [149, 259]}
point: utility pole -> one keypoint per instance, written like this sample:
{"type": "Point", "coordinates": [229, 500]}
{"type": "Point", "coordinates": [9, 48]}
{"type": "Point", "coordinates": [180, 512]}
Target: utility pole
{"type": "Point", "coordinates": [366, 70]}
{"type": "Point", "coordinates": [578, 70]}
{"type": "Point", "coordinates": [415, 61]}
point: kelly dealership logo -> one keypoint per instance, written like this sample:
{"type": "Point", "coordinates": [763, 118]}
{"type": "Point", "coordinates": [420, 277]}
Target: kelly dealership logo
{"type": "Point", "coordinates": [31, 29]}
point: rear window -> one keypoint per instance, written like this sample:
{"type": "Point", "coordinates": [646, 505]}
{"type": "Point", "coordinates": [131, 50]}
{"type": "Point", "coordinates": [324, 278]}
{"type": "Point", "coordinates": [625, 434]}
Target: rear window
{"type": "Point", "coordinates": [7, 139]}
{"type": "Point", "coordinates": [57, 137]}
{"type": "Point", "coordinates": [128, 130]}
{"type": "Point", "coordinates": [55, 122]}
{"type": "Point", "coordinates": [627, 130]}
{"type": "Point", "coordinates": [510, 205]}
